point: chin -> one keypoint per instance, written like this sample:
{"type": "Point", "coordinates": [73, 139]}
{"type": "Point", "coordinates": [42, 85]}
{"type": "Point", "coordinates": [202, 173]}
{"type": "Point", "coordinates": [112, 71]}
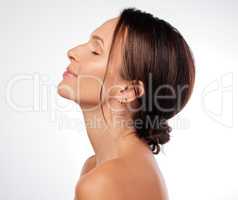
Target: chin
{"type": "Point", "coordinates": [65, 91]}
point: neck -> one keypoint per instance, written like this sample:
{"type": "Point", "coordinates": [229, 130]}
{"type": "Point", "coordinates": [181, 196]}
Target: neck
{"type": "Point", "coordinates": [109, 140]}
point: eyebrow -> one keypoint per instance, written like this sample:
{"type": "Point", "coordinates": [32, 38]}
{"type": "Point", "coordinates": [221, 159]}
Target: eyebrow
{"type": "Point", "coordinates": [97, 38]}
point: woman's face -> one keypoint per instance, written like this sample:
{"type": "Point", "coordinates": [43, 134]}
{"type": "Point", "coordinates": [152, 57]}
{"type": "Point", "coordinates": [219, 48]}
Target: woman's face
{"type": "Point", "coordinates": [83, 77]}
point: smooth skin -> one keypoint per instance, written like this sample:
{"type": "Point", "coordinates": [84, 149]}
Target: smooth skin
{"type": "Point", "coordinates": [123, 167]}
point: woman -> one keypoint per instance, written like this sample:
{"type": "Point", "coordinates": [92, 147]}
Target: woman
{"type": "Point", "coordinates": [135, 72]}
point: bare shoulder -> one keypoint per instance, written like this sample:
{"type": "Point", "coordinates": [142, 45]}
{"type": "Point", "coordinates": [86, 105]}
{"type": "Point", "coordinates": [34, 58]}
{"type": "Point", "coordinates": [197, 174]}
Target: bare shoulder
{"type": "Point", "coordinates": [125, 179]}
{"type": "Point", "coordinates": [100, 183]}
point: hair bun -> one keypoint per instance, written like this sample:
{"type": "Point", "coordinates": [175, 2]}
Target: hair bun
{"type": "Point", "coordinates": [158, 135]}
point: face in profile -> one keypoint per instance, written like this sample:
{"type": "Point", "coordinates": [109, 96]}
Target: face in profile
{"type": "Point", "coordinates": [83, 77]}
{"type": "Point", "coordinates": [136, 59]}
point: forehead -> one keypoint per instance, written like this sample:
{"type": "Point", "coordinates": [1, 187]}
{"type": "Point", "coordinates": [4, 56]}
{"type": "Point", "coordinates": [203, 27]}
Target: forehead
{"type": "Point", "coordinates": [107, 26]}
{"type": "Point", "coordinates": [105, 31]}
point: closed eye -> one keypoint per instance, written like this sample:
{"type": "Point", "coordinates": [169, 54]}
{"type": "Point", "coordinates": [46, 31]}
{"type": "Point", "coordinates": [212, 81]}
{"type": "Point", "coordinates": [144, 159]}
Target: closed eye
{"type": "Point", "coordinates": [94, 52]}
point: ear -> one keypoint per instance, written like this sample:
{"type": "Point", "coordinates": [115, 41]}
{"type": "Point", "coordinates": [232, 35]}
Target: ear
{"type": "Point", "coordinates": [131, 91]}
{"type": "Point", "coordinates": [140, 88]}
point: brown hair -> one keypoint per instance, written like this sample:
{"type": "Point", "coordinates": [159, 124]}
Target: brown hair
{"type": "Point", "coordinates": [155, 53]}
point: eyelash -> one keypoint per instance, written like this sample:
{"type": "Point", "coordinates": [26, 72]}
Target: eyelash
{"type": "Point", "coordinates": [94, 53]}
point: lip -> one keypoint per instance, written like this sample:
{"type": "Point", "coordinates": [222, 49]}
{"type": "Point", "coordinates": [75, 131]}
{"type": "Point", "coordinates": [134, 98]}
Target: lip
{"type": "Point", "coordinates": [69, 74]}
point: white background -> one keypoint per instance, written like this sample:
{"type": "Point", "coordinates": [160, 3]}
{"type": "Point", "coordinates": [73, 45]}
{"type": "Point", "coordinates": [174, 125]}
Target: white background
{"type": "Point", "coordinates": [42, 148]}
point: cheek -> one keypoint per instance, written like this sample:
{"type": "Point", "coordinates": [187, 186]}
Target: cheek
{"type": "Point", "coordinates": [89, 82]}
{"type": "Point", "coordinates": [85, 89]}
{"type": "Point", "coordinates": [93, 67]}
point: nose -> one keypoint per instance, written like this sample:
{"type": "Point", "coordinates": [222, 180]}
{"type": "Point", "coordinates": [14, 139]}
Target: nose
{"type": "Point", "coordinates": [71, 56]}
